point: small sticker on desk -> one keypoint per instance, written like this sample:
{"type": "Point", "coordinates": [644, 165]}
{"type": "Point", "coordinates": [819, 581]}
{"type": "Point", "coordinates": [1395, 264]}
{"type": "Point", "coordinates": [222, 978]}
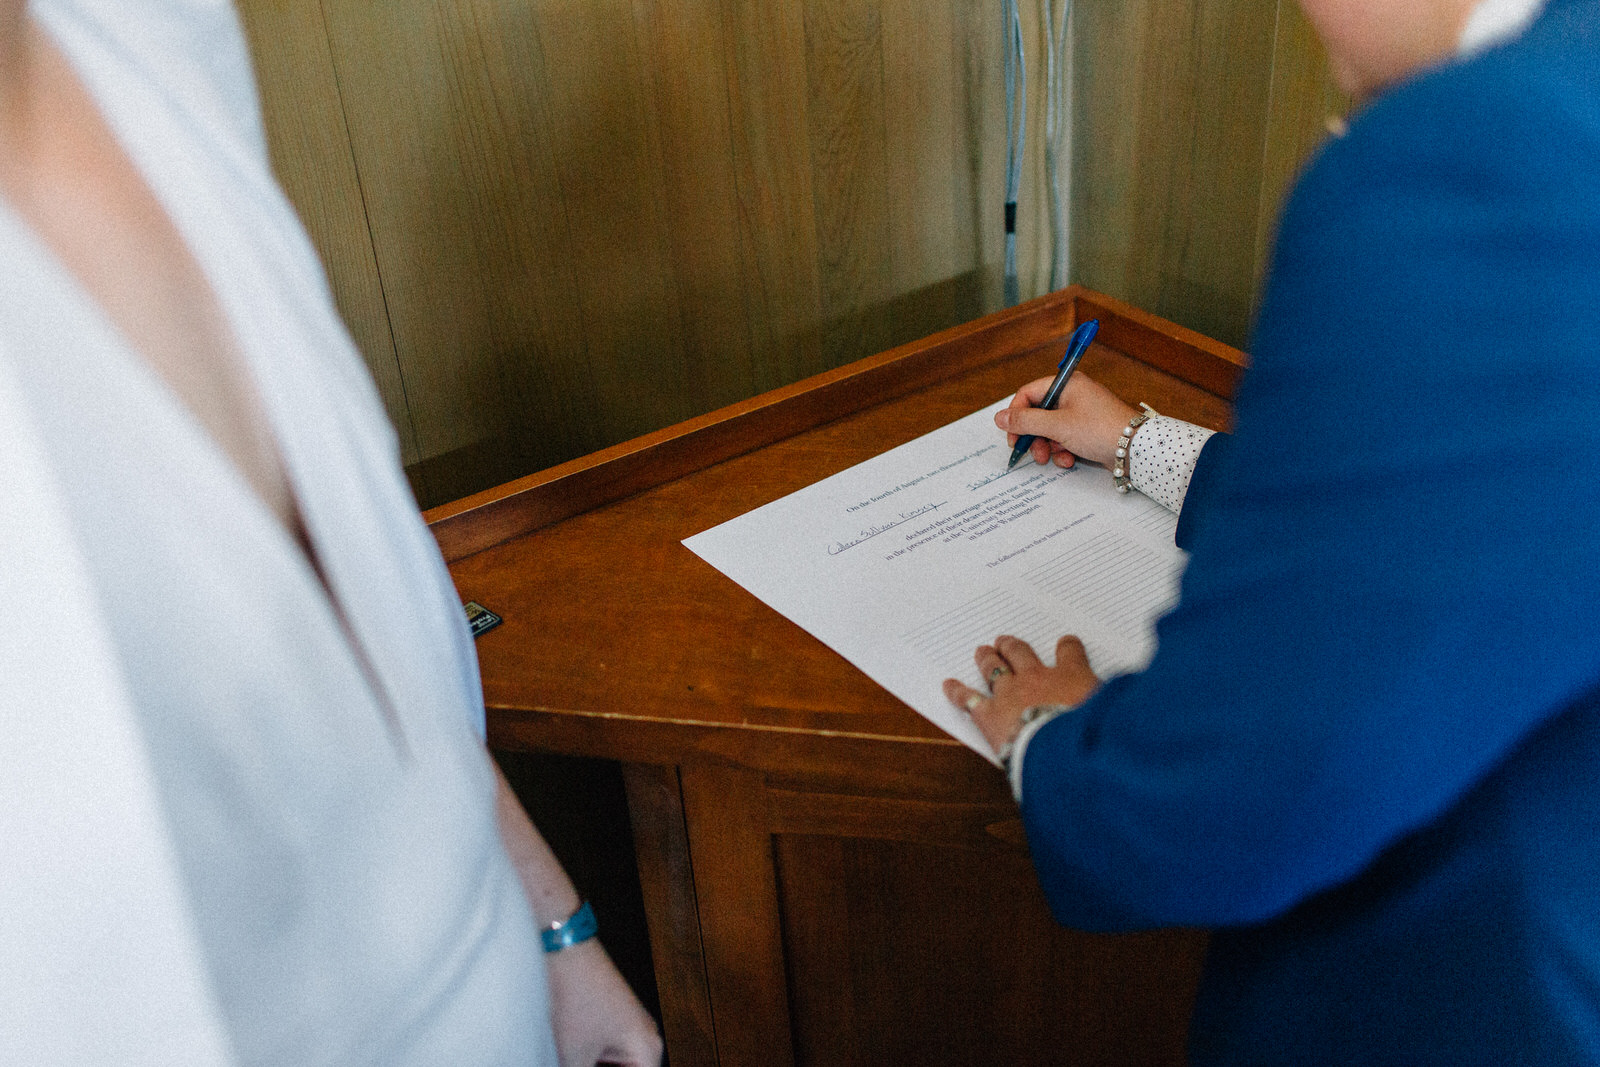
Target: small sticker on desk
{"type": "Point", "coordinates": [480, 618]}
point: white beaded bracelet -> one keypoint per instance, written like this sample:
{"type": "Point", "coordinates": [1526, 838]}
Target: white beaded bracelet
{"type": "Point", "coordinates": [1119, 474]}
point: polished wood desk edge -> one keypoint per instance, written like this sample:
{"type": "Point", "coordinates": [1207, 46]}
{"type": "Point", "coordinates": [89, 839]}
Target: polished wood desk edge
{"type": "Point", "coordinates": [496, 515]}
{"type": "Point", "coordinates": [925, 791]}
{"type": "Point", "coordinates": [1162, 344]}
{"type": "Point", "coordinates": [643, 739]}
{"type": "Point", "coordinates": [715, 724]}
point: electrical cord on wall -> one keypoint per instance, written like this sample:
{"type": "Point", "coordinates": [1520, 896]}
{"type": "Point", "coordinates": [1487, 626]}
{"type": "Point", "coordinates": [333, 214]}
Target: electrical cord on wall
{"type": "Point", "coordinates": [1058, 126]}
{"type": "Point", "coordinates": [1016, 74]}
{"type": "Point", "coordinates": [1057, 129]}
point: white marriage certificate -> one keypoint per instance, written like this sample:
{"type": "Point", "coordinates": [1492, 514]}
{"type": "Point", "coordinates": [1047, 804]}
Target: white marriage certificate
{"type": "Point", "coordinates": [908, 562]}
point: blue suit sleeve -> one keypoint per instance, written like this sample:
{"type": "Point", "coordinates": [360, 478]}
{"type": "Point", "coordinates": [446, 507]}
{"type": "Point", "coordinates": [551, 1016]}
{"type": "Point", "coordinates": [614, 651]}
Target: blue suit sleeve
{"type": "Point", "coordinates": [1202, 489]}
{"type": "Point", "coordinates": [1402, 586]}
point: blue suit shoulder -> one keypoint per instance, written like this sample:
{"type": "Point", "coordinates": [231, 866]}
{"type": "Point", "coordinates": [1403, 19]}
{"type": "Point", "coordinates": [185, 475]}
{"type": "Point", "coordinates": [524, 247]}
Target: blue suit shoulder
{"type": "Point", "coordinates": [1435, 240]}
{"type": "Point", "coordinates": [1517, 126]}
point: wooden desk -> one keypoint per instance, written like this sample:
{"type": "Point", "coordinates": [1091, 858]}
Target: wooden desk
{"type": "Point", "coordinates": [829, 879]}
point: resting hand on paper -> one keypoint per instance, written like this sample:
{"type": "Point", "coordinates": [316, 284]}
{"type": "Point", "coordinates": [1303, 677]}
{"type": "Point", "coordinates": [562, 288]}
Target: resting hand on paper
{"type": "Point", "coordinates": [1085, 422]}
{"type": "Point", "coordinates": [1018, 680]}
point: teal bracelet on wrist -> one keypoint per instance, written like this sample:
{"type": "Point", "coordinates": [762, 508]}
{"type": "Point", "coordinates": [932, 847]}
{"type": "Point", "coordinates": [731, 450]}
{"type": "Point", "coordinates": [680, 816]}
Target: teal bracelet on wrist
{"type": "Point", "coordinates": [579, 927]}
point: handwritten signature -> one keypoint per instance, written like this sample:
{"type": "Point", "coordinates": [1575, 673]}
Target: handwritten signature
{"type": "Point", "coordinates": [973, 487]}
{"type": "Point", "coordinates": [873, 531]}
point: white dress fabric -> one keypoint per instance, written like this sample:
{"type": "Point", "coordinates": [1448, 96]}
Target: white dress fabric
{"type": "Point", "coordinates": [246, 818]}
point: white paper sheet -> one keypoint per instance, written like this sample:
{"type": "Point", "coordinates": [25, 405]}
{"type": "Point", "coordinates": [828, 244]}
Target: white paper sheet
{"type": "Point", "coordinates": [908, 562]}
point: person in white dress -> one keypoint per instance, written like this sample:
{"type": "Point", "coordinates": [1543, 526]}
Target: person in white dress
{"type": "Point", "coordinates": [246, 812]}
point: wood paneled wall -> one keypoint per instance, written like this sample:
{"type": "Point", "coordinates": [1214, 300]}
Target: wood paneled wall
{"type": "Point", "coordinates": [556, 224]}
{"type": "Point", "coordinates": [1192, 119]}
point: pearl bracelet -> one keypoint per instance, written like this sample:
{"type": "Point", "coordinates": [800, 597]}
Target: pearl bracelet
{"type": "Point", "coordinates": [1120, 476]}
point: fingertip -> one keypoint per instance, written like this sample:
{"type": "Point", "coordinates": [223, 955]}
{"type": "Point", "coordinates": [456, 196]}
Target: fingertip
{"type": "Point", "coordinates": [1073, 645]}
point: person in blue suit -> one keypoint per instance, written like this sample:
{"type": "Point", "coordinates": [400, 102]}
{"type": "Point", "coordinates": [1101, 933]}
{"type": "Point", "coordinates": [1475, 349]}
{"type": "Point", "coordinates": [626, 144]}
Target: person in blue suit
{"type": "Point", "coordinates": [1367, 752]}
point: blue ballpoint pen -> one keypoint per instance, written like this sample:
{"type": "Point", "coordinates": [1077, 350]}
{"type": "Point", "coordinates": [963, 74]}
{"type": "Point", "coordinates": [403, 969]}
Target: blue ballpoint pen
{"type": "Point", "coordinates": [1076, 347]}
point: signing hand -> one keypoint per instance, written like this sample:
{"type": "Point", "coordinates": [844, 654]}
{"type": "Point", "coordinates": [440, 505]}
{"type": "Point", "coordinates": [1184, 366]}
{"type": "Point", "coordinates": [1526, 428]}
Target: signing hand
{"type": "Point", "coordinates": [1085, 422]}
{"type": "Point", "coordinates": [1018, 680]}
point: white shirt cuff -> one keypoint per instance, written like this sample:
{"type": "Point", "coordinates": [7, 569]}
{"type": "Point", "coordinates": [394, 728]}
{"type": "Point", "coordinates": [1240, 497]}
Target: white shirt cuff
{"type": "Point", "coordinates": [1019, 747]}
{"type": "Point", "coordinates": [1162, 458]}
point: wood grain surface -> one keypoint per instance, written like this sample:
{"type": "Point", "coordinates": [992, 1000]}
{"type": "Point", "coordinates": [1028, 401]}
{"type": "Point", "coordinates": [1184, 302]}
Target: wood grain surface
{"type": "Point", "coordinates": [309, 138]}
{"type": "Point", "coordinates": [555, 225]}
{"type": "Point", "coordinates": [829, 878]}
{"type": "Point", "coordinates": [615, 523]}
{"type": "Point", "coordinates": [1191, 119]}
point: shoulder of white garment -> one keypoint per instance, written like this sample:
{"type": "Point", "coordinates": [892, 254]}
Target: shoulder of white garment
{"type": "Point", "coordinates": [196, 49]}
{"type": "Point", "coordinates": [1493, 22]}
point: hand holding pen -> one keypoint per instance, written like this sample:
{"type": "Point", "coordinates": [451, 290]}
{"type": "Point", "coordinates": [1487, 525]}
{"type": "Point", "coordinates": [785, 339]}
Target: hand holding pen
{"type": "Point", "coordinates": [1073, 414]}
{"type": "Point", "coordinates": [1076, 347]}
